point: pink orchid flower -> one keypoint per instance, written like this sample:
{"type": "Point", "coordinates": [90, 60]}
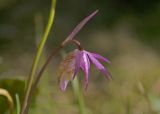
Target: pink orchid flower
{"type": "Point", "coordinates": [80, 59]}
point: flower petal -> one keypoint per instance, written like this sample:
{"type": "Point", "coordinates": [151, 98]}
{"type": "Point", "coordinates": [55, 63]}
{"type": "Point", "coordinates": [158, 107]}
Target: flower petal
{"type": "Point", "coordinates": [63, 83]}
{"type": "Point", "coordinates": [98, 56]}
{"type": "Point", "coordinates": [85, 65]}
{"type": "Point", "coordinates": [77, 62]}
{"type": "Point", "coordinates": [99, 66]}
{"type": "Point", "coordinates": [101, 57]}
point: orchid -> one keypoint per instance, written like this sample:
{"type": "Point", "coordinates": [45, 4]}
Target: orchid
{"type": "Point", "coordinates": [80, 59]}
{"type": "Point", "coordinates": [76, 60]}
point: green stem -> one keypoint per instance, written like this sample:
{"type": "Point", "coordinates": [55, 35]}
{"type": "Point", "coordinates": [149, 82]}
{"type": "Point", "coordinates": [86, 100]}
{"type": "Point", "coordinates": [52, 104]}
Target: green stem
{"type": "Point", "coordinates": [38, 55]}
{"type": "Point", "coordinates": [18, 106]}
{"type": "Point", "coordinates": [78, 96]}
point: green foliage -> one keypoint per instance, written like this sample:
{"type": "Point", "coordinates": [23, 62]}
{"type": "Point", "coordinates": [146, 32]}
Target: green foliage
{"type": "Point", "coordinates": [14, 86]}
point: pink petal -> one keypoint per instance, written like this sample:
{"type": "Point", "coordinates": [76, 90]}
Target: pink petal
{"type": "Point", "coordinates": [101, 57]}
{"type": "Point", "coordinates": [85, 65]}
{"type": "Point", "coordinates": [63, 83]}
{"type": "Point", "coordinates": [99, 66]}
{"type": "Point", "coordinates": [98, 56]}
{"type": "Point", "coordinates": [79, 55]}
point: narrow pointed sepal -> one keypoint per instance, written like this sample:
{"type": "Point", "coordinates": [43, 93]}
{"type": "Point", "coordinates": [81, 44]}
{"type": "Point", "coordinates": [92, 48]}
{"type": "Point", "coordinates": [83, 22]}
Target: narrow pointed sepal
{"type": "Point", "coordinates": [85, 65]}
{"type": "Point", "coordinates": [101, 58]}
{"type": "Point", "coordinates": [79, 27]}
{"type": "Point", "coordinates": [99, 66]}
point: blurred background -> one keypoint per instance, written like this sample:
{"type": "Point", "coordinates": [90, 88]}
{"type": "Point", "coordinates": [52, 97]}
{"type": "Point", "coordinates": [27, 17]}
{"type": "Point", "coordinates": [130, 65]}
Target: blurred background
{"type": "Point", "coordinates": [126, 32]}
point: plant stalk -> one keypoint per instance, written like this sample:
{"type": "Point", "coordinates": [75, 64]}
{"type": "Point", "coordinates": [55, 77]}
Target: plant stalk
{"type": "Point", "coordinates": [78, 96]}
{"type": "Point", "coordinates": [39, 75]}
{"type": "Point", "coordinates": [37, 57]}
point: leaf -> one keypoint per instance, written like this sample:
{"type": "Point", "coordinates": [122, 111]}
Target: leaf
{"type": "Point", "coordinates": [5, 93]}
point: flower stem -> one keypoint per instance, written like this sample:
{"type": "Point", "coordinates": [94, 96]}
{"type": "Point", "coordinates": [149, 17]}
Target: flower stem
{"type": "Point", "coordinates": [37, 57]}
{"type": "Point", "coordinates": [78, 96]}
